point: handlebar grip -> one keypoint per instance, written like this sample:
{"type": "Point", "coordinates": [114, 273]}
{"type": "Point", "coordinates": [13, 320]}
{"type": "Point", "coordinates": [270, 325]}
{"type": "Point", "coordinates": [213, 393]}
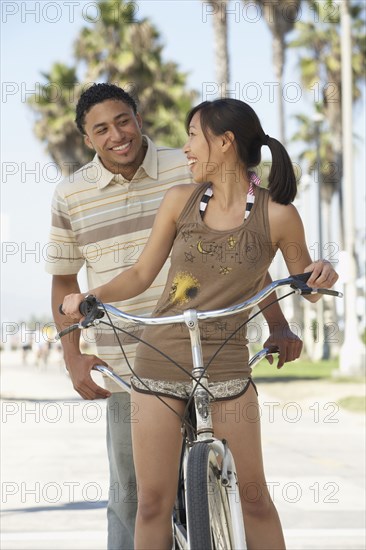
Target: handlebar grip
{"type": "Point", "coordinates": [329, 292]}
{"type": "Point", "coordinates": [85, 307]}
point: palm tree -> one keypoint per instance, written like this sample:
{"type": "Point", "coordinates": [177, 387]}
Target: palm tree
{"type": "Point", "coordinates": [318, 42]}
{"type": "Point", "coordinates": [280, 16]}
{"type": "Point", "coordinates": [54, 105]}
{"type": "Point", "coordinates": [159, 87]}
{"type": "Point", "coordinates": [128, 52]}
{"type": "Point", "coordinates": [308, 131]}
{"type": "Point", "coordinates": [219, 21]}
{"type": "Point", "coordinates": [103, 46]}
{"type": "Point", "coordinates": [121, 50]}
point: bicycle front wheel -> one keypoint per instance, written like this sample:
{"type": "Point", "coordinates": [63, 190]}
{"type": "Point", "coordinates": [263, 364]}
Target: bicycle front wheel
{"type": "Point", "coordinates": [209, 520]}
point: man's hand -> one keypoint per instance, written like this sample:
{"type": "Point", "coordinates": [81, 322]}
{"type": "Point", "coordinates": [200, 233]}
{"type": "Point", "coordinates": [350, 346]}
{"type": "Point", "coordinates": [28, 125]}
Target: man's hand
{"type": "Point", "coordinates": [79, 367]}
{"type": "Point", "coordinates": [70, 305]}
{"type": "Point", "coordinates": [288, 343]}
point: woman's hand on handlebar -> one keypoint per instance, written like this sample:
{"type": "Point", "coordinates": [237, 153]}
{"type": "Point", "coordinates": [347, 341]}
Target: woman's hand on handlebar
{"type": "Point", "coordinates": [323, 275]}
{"type": "Point", "coordinates": [71, 304]}
{"type": "Point", "coordinates": [288, 343]}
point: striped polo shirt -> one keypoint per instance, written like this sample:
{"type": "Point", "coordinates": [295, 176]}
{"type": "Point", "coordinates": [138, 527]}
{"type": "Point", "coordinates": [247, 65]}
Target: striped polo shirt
{"type": "Point", "coordinates": [102, 220]}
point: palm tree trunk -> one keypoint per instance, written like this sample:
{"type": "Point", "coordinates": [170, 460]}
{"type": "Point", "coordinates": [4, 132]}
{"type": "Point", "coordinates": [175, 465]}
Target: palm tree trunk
{"type": "Point", "coordinates": [278, 61]}
{"type": "Point", "coordinates": [333, 112]}
{"type": "Point", "coordinates": [332, 332]}
{"type": "Point", "coordinates": [221, 45]}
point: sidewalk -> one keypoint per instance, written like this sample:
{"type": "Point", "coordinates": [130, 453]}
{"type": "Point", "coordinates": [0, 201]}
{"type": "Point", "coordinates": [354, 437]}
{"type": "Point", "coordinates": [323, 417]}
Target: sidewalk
{"type": "Point", "coordinates": [54, 463]}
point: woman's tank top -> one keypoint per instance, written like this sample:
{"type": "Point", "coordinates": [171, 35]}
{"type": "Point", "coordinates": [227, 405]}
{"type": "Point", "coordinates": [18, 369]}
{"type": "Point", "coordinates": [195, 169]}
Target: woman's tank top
{"type": "Point", "coordinates": [210, 269]}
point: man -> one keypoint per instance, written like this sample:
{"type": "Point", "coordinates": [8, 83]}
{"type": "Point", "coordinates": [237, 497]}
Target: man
{"type": "Point", "coordinates": [102, 216]}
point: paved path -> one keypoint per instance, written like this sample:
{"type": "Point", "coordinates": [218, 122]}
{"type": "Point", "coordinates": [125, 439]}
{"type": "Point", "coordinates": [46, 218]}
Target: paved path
{"type": "Point", "coordinates": [54, 465]}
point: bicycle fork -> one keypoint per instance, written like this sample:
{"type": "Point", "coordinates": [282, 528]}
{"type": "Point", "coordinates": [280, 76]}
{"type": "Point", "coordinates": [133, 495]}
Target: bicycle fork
{"type": "Point", "coordinates": [229, 480]}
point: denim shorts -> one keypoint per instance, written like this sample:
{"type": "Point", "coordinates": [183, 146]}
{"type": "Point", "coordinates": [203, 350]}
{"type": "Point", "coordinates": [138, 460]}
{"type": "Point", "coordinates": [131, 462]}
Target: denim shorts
{"type": "Point", "coordinates": [225, 390]}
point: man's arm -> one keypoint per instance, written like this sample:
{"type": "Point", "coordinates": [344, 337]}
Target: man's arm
{"type": "Point", "coordinates": [78, 364]}
{"type": "Point", "coordinates": [280, 334]}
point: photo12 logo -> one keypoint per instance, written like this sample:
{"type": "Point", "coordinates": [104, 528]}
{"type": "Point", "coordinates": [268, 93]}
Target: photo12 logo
{"type": "Point", "coordinates": [68, 11]}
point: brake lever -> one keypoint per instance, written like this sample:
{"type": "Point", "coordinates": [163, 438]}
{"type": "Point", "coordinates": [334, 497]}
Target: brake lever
{"type": "Point", "coordinates": [89, 307]}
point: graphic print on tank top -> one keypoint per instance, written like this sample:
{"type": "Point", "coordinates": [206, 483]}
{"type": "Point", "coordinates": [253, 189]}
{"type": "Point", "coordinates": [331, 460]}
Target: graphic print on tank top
{"type": "Point", "coordinates": [185, 285]}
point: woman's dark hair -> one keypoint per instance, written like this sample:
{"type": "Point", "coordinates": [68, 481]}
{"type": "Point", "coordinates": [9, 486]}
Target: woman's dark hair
{"type": "Point", "coordinates": [97, 93]}
{"type": "Point", "coordinates": [227, 114]}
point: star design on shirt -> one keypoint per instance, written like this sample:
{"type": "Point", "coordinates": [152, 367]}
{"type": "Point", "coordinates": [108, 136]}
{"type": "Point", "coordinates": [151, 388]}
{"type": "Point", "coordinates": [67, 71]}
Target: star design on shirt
{"type": "Point", "coordinates": [189, 257]}
{"type": "Point", "coordinates": [186, 235]}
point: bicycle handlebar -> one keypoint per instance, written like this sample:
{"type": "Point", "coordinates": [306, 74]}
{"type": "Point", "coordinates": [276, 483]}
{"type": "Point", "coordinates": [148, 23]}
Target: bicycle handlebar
{"type": "Point", "coordinates": [92, 309]}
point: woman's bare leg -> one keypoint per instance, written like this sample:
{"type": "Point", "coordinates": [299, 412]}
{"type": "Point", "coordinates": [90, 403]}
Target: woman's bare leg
{"type": "Point", "coordinates": [238, 422]}
{"type": "Point", "coordinates": [156, 441]}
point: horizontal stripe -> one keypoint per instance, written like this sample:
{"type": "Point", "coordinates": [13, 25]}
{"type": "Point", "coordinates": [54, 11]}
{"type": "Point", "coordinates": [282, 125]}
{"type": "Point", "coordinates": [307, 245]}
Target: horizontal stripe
{"type": "Point", "coordinates": [60, 221]}
{"type": "Point", "coordinates": [114, 230]}
{"type": "Point", "coordinates": [131, 203]}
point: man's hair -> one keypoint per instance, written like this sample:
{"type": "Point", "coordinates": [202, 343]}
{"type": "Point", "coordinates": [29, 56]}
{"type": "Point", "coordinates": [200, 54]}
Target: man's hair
{"type": "Point", "coordinates": [97, 93]}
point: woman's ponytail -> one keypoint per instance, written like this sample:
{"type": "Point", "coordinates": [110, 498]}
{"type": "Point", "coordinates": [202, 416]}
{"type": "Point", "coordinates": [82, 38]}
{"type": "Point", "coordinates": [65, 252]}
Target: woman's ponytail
{"type": "Point", "coordinates": [281, 180]}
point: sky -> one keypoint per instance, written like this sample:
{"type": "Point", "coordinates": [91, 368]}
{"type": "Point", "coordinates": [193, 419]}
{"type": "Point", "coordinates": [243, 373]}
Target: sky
{"type": "Point", "coordinates": [34, 35]}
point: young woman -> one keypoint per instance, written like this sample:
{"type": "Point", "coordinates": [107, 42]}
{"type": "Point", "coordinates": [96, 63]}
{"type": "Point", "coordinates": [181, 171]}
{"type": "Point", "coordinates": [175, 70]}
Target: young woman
{"type": "Point", "coordinates": [222, 235]}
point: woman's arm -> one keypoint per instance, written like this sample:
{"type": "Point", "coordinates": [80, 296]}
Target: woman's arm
{"type": "Point", "coordinates": [138, 278]}
{"type": "Point", "coordinates": [288, 234]}
{"type": "Point", "coordinates": [280, 334]}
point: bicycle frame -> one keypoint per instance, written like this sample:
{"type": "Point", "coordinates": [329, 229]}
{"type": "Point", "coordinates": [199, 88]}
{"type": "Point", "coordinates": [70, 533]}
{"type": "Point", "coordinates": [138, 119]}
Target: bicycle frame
{"type": "Point", "coordinates": [200, 390]}
{"type": "Point", "coordinates": [204, 429]}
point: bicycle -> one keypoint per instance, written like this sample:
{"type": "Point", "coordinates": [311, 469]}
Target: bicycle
{"type": "Point", "coordinates": [207, 513]}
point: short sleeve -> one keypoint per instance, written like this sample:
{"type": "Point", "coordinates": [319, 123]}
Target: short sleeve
{"type": "Point", "coordinates": [63, 256]}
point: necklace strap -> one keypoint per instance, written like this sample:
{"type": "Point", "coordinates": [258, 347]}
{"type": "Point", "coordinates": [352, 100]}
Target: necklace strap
{"type": "Point", "coordinates": [253, 181]}
{"type": "Point", "coordinates": [204, 200]}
